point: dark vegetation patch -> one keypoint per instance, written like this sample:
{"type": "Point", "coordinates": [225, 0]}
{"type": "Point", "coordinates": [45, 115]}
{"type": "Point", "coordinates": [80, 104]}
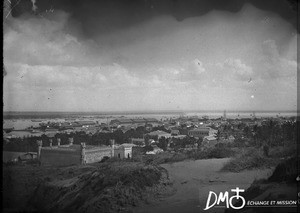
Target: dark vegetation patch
{"type": "Point", "coordinates": [106, 187]}
{"type": "Point", "coordinates": [286, 171]}
{"type": "Point", "coordinates": [216, 152]}
{"type": "Point", "coordinates": [280, 186]}
{"type": "Point", "coordinates": [172, 157]}
{"type": "Point", "coordinates": [254, 158]}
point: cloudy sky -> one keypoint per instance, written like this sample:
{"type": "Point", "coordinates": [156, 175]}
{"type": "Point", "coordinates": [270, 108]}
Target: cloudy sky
{"type": "Point", "coordinates": [149, 55]}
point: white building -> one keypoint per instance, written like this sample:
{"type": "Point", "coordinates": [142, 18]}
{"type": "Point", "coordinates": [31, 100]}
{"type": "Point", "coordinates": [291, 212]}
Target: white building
{"type": "Point", "coordinates": [123, 151]}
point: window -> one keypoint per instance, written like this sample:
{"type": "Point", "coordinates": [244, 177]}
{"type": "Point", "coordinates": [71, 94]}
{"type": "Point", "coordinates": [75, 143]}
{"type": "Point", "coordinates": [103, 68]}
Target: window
{"type": "Point", "coordinates": [119, 156]}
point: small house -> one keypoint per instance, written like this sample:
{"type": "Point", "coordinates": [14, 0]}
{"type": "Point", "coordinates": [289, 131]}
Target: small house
{"type": "Point", "coordinates": [210, 141]}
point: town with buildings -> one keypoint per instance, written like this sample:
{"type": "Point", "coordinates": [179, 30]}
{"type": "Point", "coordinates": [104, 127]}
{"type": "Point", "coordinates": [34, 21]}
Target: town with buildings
{"type": "Point", "coordinates": [70, 156]}
{"type": "Point", "coordinates": [121, 136]}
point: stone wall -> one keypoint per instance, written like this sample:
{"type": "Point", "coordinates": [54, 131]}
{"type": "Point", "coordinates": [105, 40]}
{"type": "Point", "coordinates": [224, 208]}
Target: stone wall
{"type": "Point", "coordinates": [73, 154]}
{"type": "Point", "coordinates": [58, 157]}
{"type": "Point", "coordinates": [97, 154]}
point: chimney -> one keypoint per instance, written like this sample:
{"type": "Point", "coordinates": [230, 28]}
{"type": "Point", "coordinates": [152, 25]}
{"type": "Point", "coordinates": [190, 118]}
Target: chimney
{"type": "Point", "coordinates": [50, 143]}
{"type": "Point", "coordinates": [112, 143]}
{"type": "Point", "coordinates": [71, 140]}
{"type": "Point", "coordinates": [58, 141]}
{"type": "Point", "coordinates": [40, 144]}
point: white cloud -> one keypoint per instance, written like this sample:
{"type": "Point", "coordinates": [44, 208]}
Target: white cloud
{"type": "Point", "coordinates": [273, 64]}
{"type": "Point", "coordinates": [192, 71]}
{"type": "Point", "coordinates": [40, 41]}
{"type": "Point", "coordinates": [196, 67]}
{"type": "Point", "coordinates": [91, 82]}
{"type": "Point", "coordinates": [238, 69]}
{"type": "Point", "coordinates": [214, 61]}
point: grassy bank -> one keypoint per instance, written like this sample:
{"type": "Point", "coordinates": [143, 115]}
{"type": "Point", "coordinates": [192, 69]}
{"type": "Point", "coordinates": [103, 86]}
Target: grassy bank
{"type": "Point", "coordinates": [102, 187]}
{"type": "Point", "coordinates": [255, 158]}
{"type": "Point", "coordinates": [280, 186]}
{"type": "Point", "coordinates": [169, 157]}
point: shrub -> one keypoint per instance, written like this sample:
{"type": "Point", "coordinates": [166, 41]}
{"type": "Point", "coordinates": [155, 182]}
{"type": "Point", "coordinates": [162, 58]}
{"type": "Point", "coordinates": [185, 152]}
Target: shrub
{"type": "Point", "coordinates": [176, 158]}
{"type": "Point", "coordinates": [215, 152]}
{"type": "Point", "coordinates": [220, 152]}
{"type": "Point", "coordinates": [250, 159]}
{"type": "Point", "coordinates": [108, 187]}
{"type": "Point", "coordinates": [285, 171]}
{"type": "Point", "coordinates": [283, 151]}
{"type": "Point", "coordinates": [105, 158]}
{"type": "Point", "coordinates": [164, 157]}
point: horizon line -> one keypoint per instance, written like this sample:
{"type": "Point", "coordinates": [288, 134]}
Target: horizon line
{"type": "Point", "coordinates": [156, 111]}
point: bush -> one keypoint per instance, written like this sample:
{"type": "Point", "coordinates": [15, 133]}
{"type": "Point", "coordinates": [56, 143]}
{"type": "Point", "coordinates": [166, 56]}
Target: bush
{"type": "Point", "coordinates": [109, 187]}
{"type": "Point", "coordinates": [215, 152]}
{"type": "Point", "coordinates": [250, 159]}
{"type": "Point", "coordinates": [105, 158]}
{"type": "Point", "coordinates": [164, 157]}
{"type": "Point", "coordinates": [176, 158]}
{"type": "Point", "coordinates": [167, 157]}
{"type": "Point", "coordinates": [113, 159]}
{"type": "Point", "coordinates": [33, 162]}
{"type": "Point", "coordinates": [283, 151]}
{"type": "Point", "coordinates": [286, 171]}
{"type": "Point", "coordinates": [220, 153]}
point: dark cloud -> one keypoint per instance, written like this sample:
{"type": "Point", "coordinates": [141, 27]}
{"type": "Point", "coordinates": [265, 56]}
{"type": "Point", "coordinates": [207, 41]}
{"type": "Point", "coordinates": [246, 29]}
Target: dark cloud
{"type": "Point", "coordinates": [102, 16]}
{"type": "Point", "coordinates": [156, 52]}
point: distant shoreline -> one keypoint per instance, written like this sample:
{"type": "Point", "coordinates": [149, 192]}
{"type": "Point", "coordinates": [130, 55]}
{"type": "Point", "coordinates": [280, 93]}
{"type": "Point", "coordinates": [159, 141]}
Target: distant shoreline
{"type": "Point", "coordinates": [62, 115]}
{"type": "Point", "coordinates": [149, 112]}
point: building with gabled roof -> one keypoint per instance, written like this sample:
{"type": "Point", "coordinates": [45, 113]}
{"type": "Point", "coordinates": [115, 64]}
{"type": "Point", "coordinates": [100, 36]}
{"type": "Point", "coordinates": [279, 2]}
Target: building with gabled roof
{"type": "Point", "coordinates": [202, 131]}
{"type": "Point", "coordinates": [159, 134]}
{"type": "Point", "coordinates": [120, 121]}
{"type": "Point", "coordinates": [151, 120]}
{"type": "Point", "coordinates": [139, 120]}
{"type": "Point", "coordinates": [127, 121]}
{"type": "Point", "coordinates": [85, 123]}
{"type": "Point", "coordinates": [209, 141]}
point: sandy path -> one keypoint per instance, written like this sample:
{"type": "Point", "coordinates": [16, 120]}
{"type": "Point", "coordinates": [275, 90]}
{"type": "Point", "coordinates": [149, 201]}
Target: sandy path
{"type": "Point", "coordinates": [194, 179]}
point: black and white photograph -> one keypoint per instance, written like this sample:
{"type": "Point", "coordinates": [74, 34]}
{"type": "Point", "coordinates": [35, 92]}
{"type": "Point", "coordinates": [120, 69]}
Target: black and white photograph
{"type": "Point", "coordinates": [150, 106]}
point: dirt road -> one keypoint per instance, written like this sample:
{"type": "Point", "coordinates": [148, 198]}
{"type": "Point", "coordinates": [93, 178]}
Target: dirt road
{"type": "Point", "coordinates": [194, 179]}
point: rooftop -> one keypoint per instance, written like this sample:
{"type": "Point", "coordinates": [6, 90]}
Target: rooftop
{"type": "Point", "coordinates": [210, 138]}
{"type": "Point", "coordinates": [85, 122]}
{"type": "Point", "coordinates": [125, 145]}
{"type": "Point", "coordinates": [200, 129]}
{"type": "Point", "coordinates": [158, 132]}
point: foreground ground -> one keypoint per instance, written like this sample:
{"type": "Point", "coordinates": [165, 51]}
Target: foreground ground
{"type": "Point", "coordinates": [134, 187]}
{"type": "Point", "coordinates": [102, 187]}
{"type": "Point", "coordinates": [193, 181]}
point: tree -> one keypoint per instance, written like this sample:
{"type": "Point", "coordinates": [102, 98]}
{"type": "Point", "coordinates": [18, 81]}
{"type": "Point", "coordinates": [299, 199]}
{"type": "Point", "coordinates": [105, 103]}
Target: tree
{"type": "Point", "coordinates": [218, 135]}
{"type": "Point", "coordinates": [147, 139]}
{"type": "Point", "coordinates": [148, 148]}
{"type": "Point", "coordinates": [163, 143]}
{"type": "Point", "coordinates": [199, 141]}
